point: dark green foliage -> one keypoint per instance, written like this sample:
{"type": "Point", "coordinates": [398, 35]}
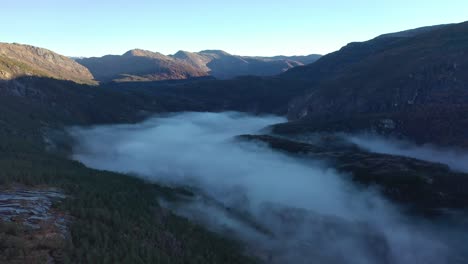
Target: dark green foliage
{"type": "Point", "coordinates": [116, 218]}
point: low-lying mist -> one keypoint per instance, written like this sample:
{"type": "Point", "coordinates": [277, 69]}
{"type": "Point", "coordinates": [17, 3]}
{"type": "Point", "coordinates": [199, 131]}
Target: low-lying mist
{"type": "Point", "coordinates": [455, 159]}
{"type": "Point", "coordinates": [286, 209]}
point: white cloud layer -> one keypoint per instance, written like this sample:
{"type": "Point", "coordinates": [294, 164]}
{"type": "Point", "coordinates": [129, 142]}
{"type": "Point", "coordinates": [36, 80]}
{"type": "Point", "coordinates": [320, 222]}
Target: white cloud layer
{"type": "Point", "coordinates": [286, 209]}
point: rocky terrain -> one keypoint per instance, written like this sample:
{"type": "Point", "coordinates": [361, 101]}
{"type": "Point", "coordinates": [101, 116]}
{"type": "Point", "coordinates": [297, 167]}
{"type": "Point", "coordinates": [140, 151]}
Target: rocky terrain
{"type": "Point", "coordinates": [18, 60]}
{"type": "Point", "coordinates": [32, 230]}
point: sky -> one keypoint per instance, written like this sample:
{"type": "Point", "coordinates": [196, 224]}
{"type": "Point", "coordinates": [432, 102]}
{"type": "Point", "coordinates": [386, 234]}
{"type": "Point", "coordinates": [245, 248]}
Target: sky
{"type": "Point", "coordinates": [243, 27]}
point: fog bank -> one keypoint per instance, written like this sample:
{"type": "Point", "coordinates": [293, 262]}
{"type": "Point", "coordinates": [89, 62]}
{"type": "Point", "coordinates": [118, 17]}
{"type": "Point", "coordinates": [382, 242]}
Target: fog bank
{"type": "Point", "coordinates": [286, 209]}
{"type": "Point", "coordinates": [455, 159]}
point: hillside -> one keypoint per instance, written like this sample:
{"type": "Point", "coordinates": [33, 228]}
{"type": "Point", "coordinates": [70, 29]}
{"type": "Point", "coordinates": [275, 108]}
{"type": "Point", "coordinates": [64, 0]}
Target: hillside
{"type": "Point", "coordinates": [341, 61]}
{"type": "Point", "coordinates": [18, 60]}
{"type": "Point", "coordinates": [141, 65]}
{"type": "Point", "coordinates": [417, 80]}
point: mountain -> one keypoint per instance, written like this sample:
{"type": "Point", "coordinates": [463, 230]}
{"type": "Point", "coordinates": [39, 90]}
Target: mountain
{"type": "Point", "coordinates": [338, 62]}
{"type": "Point", "coordinates": [18, 60]}
{"type": "Point", "coordinates": [412, 84]}
{"type": "Point", "coordinates": [412, 32]}
{"type": "Point", "coordinates": [223, 65]}
{"type": "Point", "coordinates": [141, 65]}
{"type": "Point", "coordinates": [195, 59]}
{"type": "Point", "coordinates": [417, 81]}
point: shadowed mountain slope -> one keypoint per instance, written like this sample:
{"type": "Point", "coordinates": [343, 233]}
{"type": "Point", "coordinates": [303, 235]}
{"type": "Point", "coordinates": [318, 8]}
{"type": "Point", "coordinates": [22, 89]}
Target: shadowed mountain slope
{"type": "Point", "coordinates": [417, 80]}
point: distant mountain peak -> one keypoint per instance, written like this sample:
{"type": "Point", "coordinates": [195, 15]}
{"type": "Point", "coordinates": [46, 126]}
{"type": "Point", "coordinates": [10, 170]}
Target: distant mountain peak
{"type": "Point", "coordinates": [144, 53]}
{"type": "Point", "coordinates": [182, 54]}
{"type": "Point", "coordinates": [216, 52]}
{"type": "Point", "coordinates": [145, 65]}
{"type": "Point", "coordinates": [136, 52]}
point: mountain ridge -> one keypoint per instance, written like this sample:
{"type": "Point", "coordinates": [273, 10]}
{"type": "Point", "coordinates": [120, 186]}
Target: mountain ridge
{"type": "Point", "coordinates": [185, 64]}
{"type": "Point", "coordinates": [18, 60]}
{"type": "Point", "coordinates": [418, 83]}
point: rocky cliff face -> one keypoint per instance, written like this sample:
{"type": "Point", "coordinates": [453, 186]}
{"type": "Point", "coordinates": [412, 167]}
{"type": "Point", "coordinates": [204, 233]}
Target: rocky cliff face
{"type": "Point", "coordinates": [18, 60]}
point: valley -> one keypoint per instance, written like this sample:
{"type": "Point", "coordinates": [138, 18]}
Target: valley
{"type": "Point", "coordinates": [356, 156]}
{"type": "Point", "coordinates": [281, 203]}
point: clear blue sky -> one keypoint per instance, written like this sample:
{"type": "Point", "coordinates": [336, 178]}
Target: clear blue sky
{"type": "Point", "coordinates": [244, 27]}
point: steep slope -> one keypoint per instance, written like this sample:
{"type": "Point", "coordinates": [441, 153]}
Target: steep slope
{"type": "Point", "coordinates": [18, 60]}
{"type": "Point", "coordinates": [340, 61]}
{"type": "Point", "coordinates": [417, 81]}
{"type": "Point", "coordinates": [139, 65]}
